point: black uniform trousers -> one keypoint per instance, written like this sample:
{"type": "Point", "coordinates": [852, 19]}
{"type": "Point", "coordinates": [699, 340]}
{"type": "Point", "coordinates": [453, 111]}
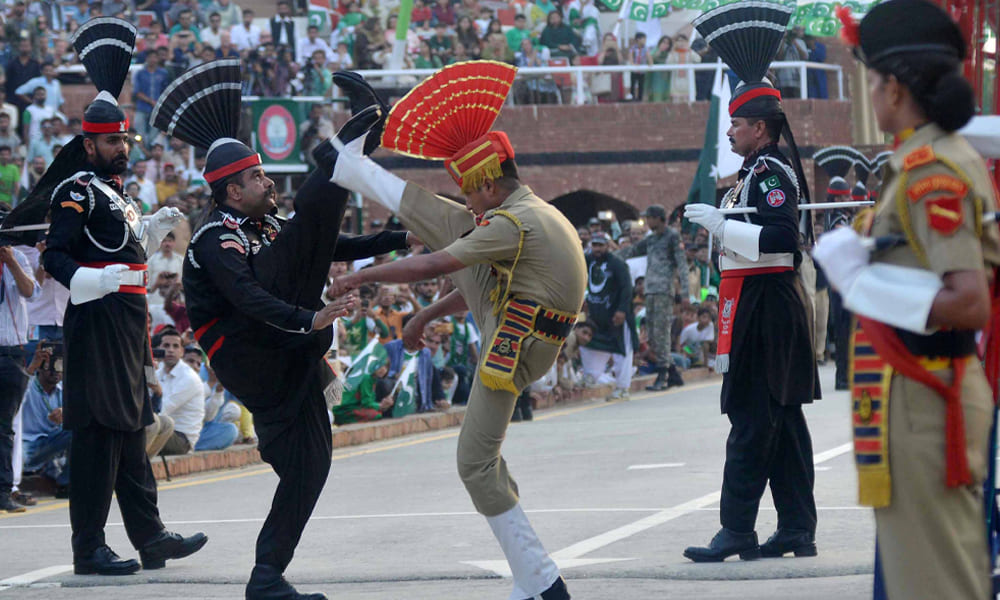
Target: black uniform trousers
{"type": "Point", "coordinates": [106, 460]}
{"type": "Point", "coordinates": [295, 435]}
{"type": "Point", "coordinates": [768, 442]}
{"type": "Point", "coordinates": [13, 382]}
{"type": "Point", "coordinates": [841, 318]}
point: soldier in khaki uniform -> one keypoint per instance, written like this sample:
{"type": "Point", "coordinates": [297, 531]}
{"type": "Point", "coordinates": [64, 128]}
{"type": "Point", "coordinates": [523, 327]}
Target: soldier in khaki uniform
{"type": "Point", "coordinates": [517, 264]}
{"type": "Point", "coordinates": [922, 405]}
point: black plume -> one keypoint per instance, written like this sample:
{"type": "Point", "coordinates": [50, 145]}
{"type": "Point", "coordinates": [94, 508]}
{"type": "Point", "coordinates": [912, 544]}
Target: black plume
{"type": "Point", "coordinates": [202, 105]}
{"type": "Point", "coordinates": [878, 162]}
{"type": "Point", "coordinates": [105, 47]}
{"type": "Point", "coordinates": [836, 161]}
{"type": "Point", "coordinates": [862, 168]}
{"type": "Point", "coordinates": [746, 35]}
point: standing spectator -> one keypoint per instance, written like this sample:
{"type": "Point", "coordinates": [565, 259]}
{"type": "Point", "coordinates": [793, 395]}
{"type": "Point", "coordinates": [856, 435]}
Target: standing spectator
{"type": "Point", "coordinates": [443, 13]}
{"type": "Point", "coordinates": [312, 44]}
{"type": "Point", "coordinates": [34, 114]}
{"type": "Point", "coordinates": [558, 37]}
{"type": "Point", "coordinates": [681, 81]}
{"type": "Point", "coordinates": [16, 287]}
{"type": "Point", "coordinates": [20, 69]}
{"type": "Point", "coordinates": [18, 26]}
{"type": "Point", "coordinates": [211, 36]}
{"type": "Point", "coordinates": [51, 10]}
{"type": "Point", "coordinates": [391, 311]}
{"type": "Point", "coordinates": [47, 80]}
{"type": "Point", "coordinates": [147, 189]}
{"type": "Point", "coordinates": [608, 87]}
{"type": "Point", "coordinates": [816, 78]}
{"type": "Point", "coordinates": [245, 36]}
{"type": "Point", "coordinates": [609, 307]}
{"type": "Point", "coordinates": [793, 48]}
{"type": "Point", "coordinates": [665, 255]}
{"type": "Point", "coordinates": [10, 176]}
{"type": "Point", "coordinates": [31, 174]}
{"type": "Point", "coordinates": [659, 81]}
{"type": "Point", "coordinates": [518, 32]}
{"type": "Point", "coordinates": [8, 136]}
{"type": "Point", "coordinates": [282, 26]}
{"type": "Point", "coordinates": [183, 394]}
{"type": "Point", "coordinates": [46, 443]}
{"type": "Point", "coordinates": [228, 11]}
{"type": "Point", "coordinates": [154, 164]}
{"type": "Point", "coordinates": [704, 80]}
{"type": "Point", "coordinates": [44, 143]}
{"type": "Point", "coordinates": [165, 260]}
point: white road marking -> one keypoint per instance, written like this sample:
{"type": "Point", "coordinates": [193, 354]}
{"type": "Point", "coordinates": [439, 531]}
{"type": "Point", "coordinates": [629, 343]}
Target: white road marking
{"type": "Point", "coordinates": [654, 466]}
{"type": "Point", "coordinates": [570, 553]}
{"type": "Point", "coordinates": [31, 577]}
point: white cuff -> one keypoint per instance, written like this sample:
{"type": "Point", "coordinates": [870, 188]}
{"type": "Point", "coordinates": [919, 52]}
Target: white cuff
{"type": "Point", "coordinates": [360, 174]}
{"type": "Point", "coordinates": [86, 285]}
{"type": "Point", "coordinates": [532, 568]}
{"type": "Point", "coordinates": [897, 296]}
{"type": "Point", "coordinates": [742, 238]}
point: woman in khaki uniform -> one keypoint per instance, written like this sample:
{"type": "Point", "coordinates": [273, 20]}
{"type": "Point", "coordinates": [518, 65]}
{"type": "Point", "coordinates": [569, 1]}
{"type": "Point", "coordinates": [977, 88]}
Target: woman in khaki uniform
{"type": "Point", "coordinates": [922, 405]}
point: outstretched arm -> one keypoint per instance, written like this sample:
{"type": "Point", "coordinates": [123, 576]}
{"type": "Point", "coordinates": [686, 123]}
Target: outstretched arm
{"type": "Point", "coordinates": [407, 270]}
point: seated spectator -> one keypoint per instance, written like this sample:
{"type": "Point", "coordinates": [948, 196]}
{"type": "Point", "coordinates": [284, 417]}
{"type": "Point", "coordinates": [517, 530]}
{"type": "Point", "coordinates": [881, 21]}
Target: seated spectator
{"type": "Point", "coordinates": [369, 45]}
{"type": "Point", "coordinates": [442, 44]}
{"type": "Point", "coordinates": [518, 33]}
{"type": "Point", "coordinates": [311, 44]}
{"type": "Point", "coordinates": [360, 402]}
{"type": "Point", "coordinates": [426, 292]}
{"type": "Point", "coordinates": [221, 428]}
{"type": "Point", "coordinates": [246, 35]}
{"type": "Point", "coordinates": [46, 443]}
{"type": "Point", "coordinates": [412, 39]}
{"type": "Point", "coordinates": [443, 13]}
{"type": "Point", "coordinates": [183, 394]}
{"type": "Point", "coordinates": [696, 337]}
{"type": "Point", "coordinates": [31, 175]}
{"type": "Point", "coordinates": [426, 59]}
{"type": "Point", "coordinates": [459, 54]}
{"type": "Point", "coordinates": [169, 185]}
{"type": "Point", "coordinates": [558, 37]}
{"type": "Point", "coordinates": [465, 34]}
{"type": "Point", "coordinates": [317, 80]}
{"type": "Point", "coordinates": [185, 34]}
{"type": "Point", "coordinates": [229, 11]}
{"type": "Point", "coordinates": [496, 49]}
{"type": "Point", "coordinates": [211, 36]}
{"type": "Point", "coordinates": [420, 17]}
{"type": "Point", "coordinates": [581, 335]}
{"type": "Point", "coordinates": [226, 48]}
{"type": "Point", "coordinates": [9, 137]}
{"type": "Point", "coordinates": [391, 308]}
{"type": "Point", "coordinates": [341, 58]}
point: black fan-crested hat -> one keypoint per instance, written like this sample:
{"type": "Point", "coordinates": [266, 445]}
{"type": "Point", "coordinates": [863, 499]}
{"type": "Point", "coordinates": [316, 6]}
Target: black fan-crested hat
{"type": "Point", "coordinates": [862, 168]}
{"type": "Point", "coordinates": [104, 46]}
{"type": "Point", "coordinates": [202, 108]}
{"type": "Point", "coordinates": [878, 162]}
{"type": "Point", "coordinates": [836, 162]}
{"type": "Point", "coordinates": [747, 36]}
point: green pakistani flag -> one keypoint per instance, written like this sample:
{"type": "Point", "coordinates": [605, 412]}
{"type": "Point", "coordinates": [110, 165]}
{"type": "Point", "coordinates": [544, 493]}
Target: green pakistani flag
{"type": "Point", "coordinates": [367, 362]}
{"type": "Point", "coordinates": [717, 160]}
{"type": "Point", "coordinates": [406, 389]}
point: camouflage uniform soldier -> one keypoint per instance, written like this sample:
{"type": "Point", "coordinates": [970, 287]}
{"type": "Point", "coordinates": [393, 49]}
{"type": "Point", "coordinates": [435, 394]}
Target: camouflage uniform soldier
{"type": "Point", "coordinates": [665, 255]}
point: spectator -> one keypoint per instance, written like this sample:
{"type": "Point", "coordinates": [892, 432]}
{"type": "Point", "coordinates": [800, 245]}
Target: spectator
{"type": "Point", "coordinates": [20, 69]}
{"type": "Point", "coordinates": [463, 355]}
{"type": "Point", "coordinates": [412, 39]}
{"type": "Point", "coordinates": [220, 429]}
{"type": "Point", "coordinates": [443, 13]}
{"type": "Point", "coordinates": [427, 59]}
{"type": "Point", "coordinates": [518, 32]}
{"type": "Point", "coordinates": [609, 87]}
{"type": "Point", "coordinates": [558, 37]}
{"type": "Point", "coordinates": [79, 12]}
{"type": "Point", "coordinates": [169, 186]}
{"type": "Point", "coordinates": [496, 48]}
{"type": "Point", "coordinates": [704, 80]}
{"type": "Point", "coordinates": [695, 339]}
{"type": "Point", "coordinates": [147, 189]}
{"type": "Point", "coordinates": [46, 443]}
{"type": "Point", "coordinates": [18, 26]}
{"type": "Point", "coordinates": [10, 176]}
{"type": "Point", "coordinates": [183, 394]}
{"type": "Point", "coordinates": [341, 58]}
{"type": "Point", "coordinates": [581, 335]}
{"type": "Point", "coordinates": [362, 325]}
{"type": "Point", "coordinates": [420, 17]}
{"type": "Point", "coordinates": [441, 43]}
{"type": "Point", "coordinates": [165, 260]}
{"type": "Point", "coordinates": [317, 128]}
{"type": "Point", "coordinates": [426, 292]}
{"type": "Point", "coordinates": [42, 146]}
{"type": "Point", "coordinates": [317, 80]}
{"type": "Point", "coordinates": [9, 117]}
{"type": "Point", "coordinates": [51, 11]}
{"type": "Point", "coordinates": [229, 12]}
{"type": "Point", "coordinates": [211, 36]}
{"type": "Point", "coordinates": [60, 130]}
{"type": "Point", "coordinates": [540, 13]}
{"type": "Point", "coordinates": [369, 45]}
{"type": "Point", "coordinates": [147, 85]}
{"type": "Point", "coordinates": [18, 286]}
{"type": "Point", "coordinates": [34, 114]}
{"type": "Point", "coordinates": [793, 48]}
{"type": "Point", "coordinates": [465, 34]}
{"type": "Point", "coordinates": [311, 44]}
{"type": "Point", "coordinates": [47, 80]}
{"type": "Point", "coordinates": [681, 81]}
{"type": "Point", "coordinates": [282, 26]}
{"type": "Point", "coordinates": [460, 54]}
{"type": "Point", "coordinates": [245, 36]}
{"type": "Point", "coordinates": [391, 310]}
{"type": "Point", "coordinates": [483, 19]}
{"type": "Point", "coordinates": [816, 78]}
{"type": "Point", "coordinates": [659, 81]}
{"type": "Point", "coordinates": [31, 175]}
{"type": "Point", "coordinates": [154, 164]}
{"type": "Point", "coordinates": [185, 29]}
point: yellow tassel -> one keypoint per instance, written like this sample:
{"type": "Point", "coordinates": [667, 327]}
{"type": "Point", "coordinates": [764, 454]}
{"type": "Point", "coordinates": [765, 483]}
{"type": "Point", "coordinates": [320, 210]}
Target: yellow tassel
{"type": "Point", "coordinates": [495, 382]}
{"type": "Point", "coordinates": [874, 488]}
{"type": "Point", "coordinates": [477, 176]}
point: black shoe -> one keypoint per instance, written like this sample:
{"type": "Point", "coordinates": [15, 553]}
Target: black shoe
{"type": "Point", "coordinates": [104, 561]}
{"type": "Point", "coordinates": [62, 491]}
{"type": "Point", "coordinates": [169, 546]}
{"type": "Point", "coordinates": [783, 541]}
{"type": "Point", "coordinates": [674, 378]}
{"type": "Point", "coordinates": [8, 504]}
{"type": "Point", "coordinates": [358, 125]}
{"type": "Point", "coordinates": [524, 403]}
{"type": "Point", "coordinates": [661, 382]}
{"type": "Point", "coordinates": [556, 591]}
{"type": "Point", "coordinates": [361, 95]}
{"type": "Point", "coordinates": [267, 583]}
{"type": "Point", "coordinates": [725, 544]}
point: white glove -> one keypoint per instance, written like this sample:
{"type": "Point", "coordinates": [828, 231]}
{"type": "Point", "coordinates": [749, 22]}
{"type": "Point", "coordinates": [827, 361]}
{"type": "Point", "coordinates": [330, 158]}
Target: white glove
{"type": "Point", "coordinates": [708, 217]}
{"type": "Point", "coordinates": [843, 255]}
{"type": "Point", "coordinates": [90, 284]}
{"type": "Point", "coordinates": [160, 224]}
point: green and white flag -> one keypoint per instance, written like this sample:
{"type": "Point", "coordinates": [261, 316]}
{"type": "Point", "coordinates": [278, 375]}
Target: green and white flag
{"type": "Point", "coordinates": [407, 390]}
{"type": "Point", "coordinates": [717, 159]}
{"type": "Point", "coordinates": [366, 362]}
{"type": "Point", "coordinates": [319, 15]}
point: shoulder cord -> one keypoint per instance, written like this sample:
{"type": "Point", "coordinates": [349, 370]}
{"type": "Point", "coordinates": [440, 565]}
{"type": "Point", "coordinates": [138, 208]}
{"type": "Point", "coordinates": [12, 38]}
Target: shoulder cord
{"type": "Point", "coordinates": [206, 227]}
{"type": "Point", "coordinates": [745, 192]}
{"type": "Point", "coordinates": [496, 296]}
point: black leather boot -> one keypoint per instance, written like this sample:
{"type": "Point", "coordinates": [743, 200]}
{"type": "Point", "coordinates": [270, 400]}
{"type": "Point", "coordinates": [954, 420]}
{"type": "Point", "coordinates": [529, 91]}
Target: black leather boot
{"type": "Point", "coordinates": [361, 95]}
{"type": "Point", "coordinates": [169, 546]}
{"type": "Point", "coordinates": [726, 543]}
{"type": "Point", "coordinates": [267, 583]}
{"type": "Point", "coordinates": [798, 541]}
{"type": "Point", "coordinates": [358, 125]}
{"type": "Point", "coordinates": [104, 561]}
{"type": "Point", "coordinates": [556, 591]}
{"type": "Point", "coordinates": [674, 378]}
{"type": "Point", "coordinates": [661, 381]}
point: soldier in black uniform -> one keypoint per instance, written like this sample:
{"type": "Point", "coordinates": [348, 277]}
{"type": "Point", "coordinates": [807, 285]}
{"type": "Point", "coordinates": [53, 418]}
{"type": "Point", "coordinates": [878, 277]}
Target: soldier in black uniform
{"type": "Point", "coordinates": [253, 286]}
{"type": "Point", "coordinates": [96, 247]}
{"type": "Point", "coordinates": [765, 349]}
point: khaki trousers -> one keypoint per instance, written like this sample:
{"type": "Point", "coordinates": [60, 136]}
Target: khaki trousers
{"type": "Point", "coordinates": [158, 434]}
{"type": "Point", "coordinates": [932, 539]}
{"type": "Point", "coordinates": [438, 222]}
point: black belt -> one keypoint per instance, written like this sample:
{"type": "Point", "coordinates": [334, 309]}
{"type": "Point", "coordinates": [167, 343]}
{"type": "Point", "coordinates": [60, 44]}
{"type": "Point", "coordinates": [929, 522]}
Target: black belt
{"type": "Point", "coordinates": [553, 327]}
{"type": "Point", "coordinates": [943, 344]}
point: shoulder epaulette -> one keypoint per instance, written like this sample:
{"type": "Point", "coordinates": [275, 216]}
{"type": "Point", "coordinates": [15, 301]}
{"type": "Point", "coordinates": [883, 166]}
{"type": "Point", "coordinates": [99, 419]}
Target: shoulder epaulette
{"type": "Point", "coordinates": [918, 158]}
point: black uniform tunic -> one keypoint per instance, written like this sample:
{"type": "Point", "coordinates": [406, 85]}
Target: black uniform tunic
{"type": "Point", "coordinates": [252, 288]}
{"type": "Point", "coordinates": [772, 366]}
{"type": "Point", "coordinates": [105, 401]}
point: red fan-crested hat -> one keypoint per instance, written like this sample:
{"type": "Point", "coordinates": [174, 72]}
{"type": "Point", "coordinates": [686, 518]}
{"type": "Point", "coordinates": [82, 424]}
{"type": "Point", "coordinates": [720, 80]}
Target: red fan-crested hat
{"type": "Point", "coordinates": [448, 117]}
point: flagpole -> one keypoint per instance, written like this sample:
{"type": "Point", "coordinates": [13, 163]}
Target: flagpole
{"type": "Point", "coordinates": [814, 206]}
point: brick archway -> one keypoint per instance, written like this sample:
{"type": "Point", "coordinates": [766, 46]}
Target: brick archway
{"type": "Point", "coordinates": [581, 205]}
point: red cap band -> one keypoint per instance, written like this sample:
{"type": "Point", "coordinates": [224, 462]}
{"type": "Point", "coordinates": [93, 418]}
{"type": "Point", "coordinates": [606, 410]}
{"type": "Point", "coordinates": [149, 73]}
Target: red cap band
{"type": "Point", "coordinates": [748, 96]}
{"type": "Point", "coordinates": [833, 192]}
{"type": "Point", "coordinates": [117, 127]}
{"type": "Point", "coordinates": [236, 167]}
